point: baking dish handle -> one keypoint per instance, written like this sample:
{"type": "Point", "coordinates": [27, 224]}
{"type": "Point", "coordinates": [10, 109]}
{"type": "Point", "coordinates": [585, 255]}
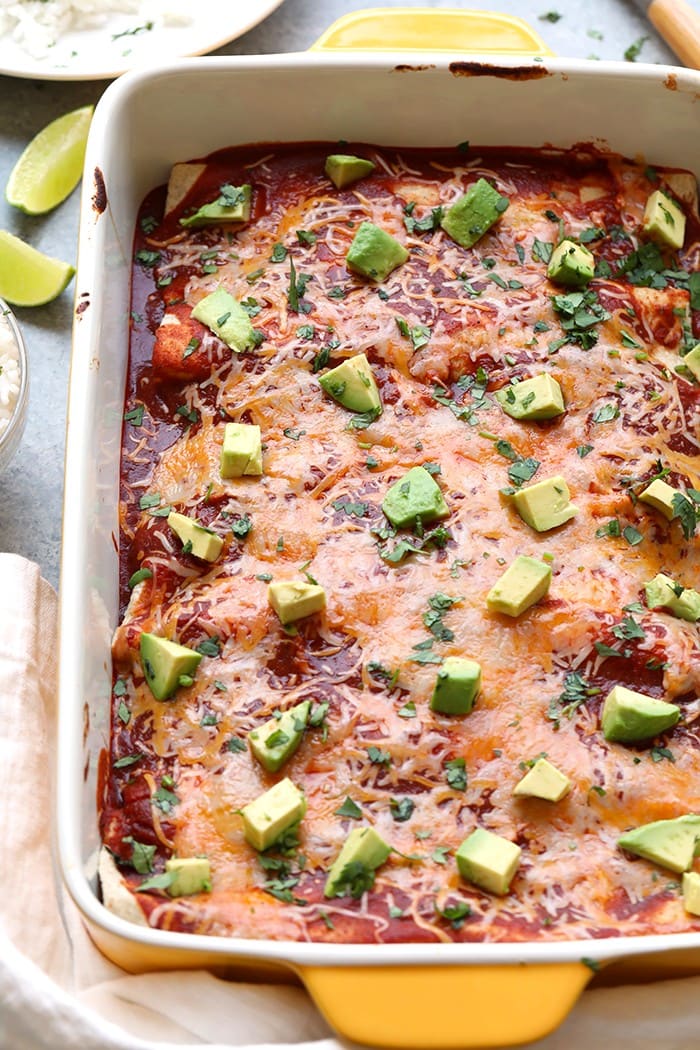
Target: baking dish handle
{"type": "Point", "coordinates": [456, 1007]}
{"type": "Point", "coordinates": [431, 29]}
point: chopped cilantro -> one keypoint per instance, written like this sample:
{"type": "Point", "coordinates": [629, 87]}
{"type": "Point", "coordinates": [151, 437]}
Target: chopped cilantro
{"type": "Point", "coordinates": [355, 879]}
{"type": "Point", "coordinates": [575, 693]}
{"type": "Point", "coordinates": [455, 913]}
{"type": "Point", "coordinates": [634, 50]}
{"type": "Point", "coordinates": [135, 416]}
{"type": "Point", "coordinates": [606, 413]}
{"type": "Point", "coordinates": [141, 855]}
{"type": "Point", "coordinates": [349, 809]}
{"type": "Point", "coordinates": [419, 334]}
{"type": "Point", "coordinates": [147, 259]}
{"type": "Point", "coordinates": [209, 646]}
{"type": "Point", "coordinates": [401, 808]}
{"type": "Point", "coordinates": [579, 313]}
{"type": "Point", "coordinates": [378, 757]}
{"type": "Point", "coordinates": [241, 527]}
{"type": "Point", "coordinates": [686, 512]}
{"type": "Point", "coordinates": [628, 628]}
{"type": "Point", "coordinates": [456, 775]}
{"type": "Point", "coordinates": [357, 510]}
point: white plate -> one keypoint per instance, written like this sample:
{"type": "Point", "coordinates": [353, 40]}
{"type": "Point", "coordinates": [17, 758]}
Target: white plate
{"type": "Point", "coordinates": [106, 51]}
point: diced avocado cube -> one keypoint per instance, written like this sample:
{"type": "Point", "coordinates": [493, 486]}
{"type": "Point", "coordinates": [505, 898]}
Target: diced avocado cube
{"type": "Point", "coordinates": [199, 541]}
{"type": "Point", "coordinates": [545, 505]}
{"type": "Point", "coordinates": [352, 385]}
{"type": "Point", "coordinates": [571, 264]}
{"type": "Point", "coordinates": [629, 716]}
{"type": "Point", "coordinates": [664, 221]}
{"type": "Point", "coordinates": [692, 362]}
{"type": "Point", "coordinates": [473, 214]}
{"type": "Point", "coordinates": [362, 846]}
{"type": "Point", "coordinates": [691, 892]}
{"type": "Point", "coordinates": [294, 599]}
{"type": "Point", "coordinates": [343, 169]}
{"type": "Point", "coordinates": [536, 398]}
{"type": "Point", "coordinates": [191, 875]}
{"type": "Point", "coordinates": [545, 781]}
{"type": "Point", "coordinates": [664, 593]}
{"type": "Point", "coordinates": [276, 741]}
{"type": "Point", "coordinates": [232, 205]}
{"type": "Point", "coordinates": [241, 451]}
{"type": "Point", "coordinates": [456, 687]}
{"type": "Point", "coordinates": [488, 860]}
{"type": "Point", "coordinates": [227, 319]}
{"type": "Point", "coordinates": [670, 843]}
{"type": "Point", "coordinates": [272, 813]}
{"type": "Point", "coordinates": [659, 495]}
{"type": "Point", "coordinates": [374, 253]}
{"type": "Point", "coordinates": [415, 495]}
{"type": "Point", "coordinates": [524, 582]}
{"type": "Point", "coordinates": [164, 663]}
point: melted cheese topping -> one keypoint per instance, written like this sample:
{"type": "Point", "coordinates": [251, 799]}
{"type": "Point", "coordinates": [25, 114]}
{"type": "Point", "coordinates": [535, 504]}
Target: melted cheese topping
{"type": "Point", "coordinates": [488, 316]}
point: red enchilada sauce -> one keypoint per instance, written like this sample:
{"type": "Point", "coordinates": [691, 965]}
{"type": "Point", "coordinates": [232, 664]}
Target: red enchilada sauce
{"type": "Point", "coordinates": [442, 333]}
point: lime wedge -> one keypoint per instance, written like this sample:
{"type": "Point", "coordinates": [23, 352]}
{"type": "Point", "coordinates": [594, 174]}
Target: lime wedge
{"type": "Point", "coordinates": [27, 277]}
{"type": "Point", "coordinates": [51, 165]}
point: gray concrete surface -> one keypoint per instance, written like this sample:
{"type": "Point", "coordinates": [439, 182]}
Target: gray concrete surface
{"type": "Point", "coordinates": [31, 488]}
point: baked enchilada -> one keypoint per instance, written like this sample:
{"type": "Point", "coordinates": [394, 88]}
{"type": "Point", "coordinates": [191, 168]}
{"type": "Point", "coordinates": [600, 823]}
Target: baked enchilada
{"type": "Point", "coordinates": [409, 497]}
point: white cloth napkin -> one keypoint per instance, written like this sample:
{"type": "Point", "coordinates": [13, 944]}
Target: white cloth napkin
{"type": "Point", "coordinates": [58, 993]}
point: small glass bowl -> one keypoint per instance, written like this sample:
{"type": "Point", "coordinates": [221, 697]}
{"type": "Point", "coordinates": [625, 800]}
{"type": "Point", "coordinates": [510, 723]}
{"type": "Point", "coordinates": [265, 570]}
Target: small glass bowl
{"type": "Point", "coordinates": [12, 435]}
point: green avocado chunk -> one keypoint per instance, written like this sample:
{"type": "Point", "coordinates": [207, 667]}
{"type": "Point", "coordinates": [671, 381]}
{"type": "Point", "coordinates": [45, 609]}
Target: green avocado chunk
{"type": "Point", "coordinates": [352, 385]}
{"type": "Point", "coordinates": [488, 860]}
{"type": "Point", "coordinates": [571, 264]}
{"type": "Point", "coordinates": [227, 319]}
{"type": "Point", "coordinates": [664, 593]}
{"type": "Point", "coordinates": [629, 716]}
{"type": "Point", "coordinates": [544, 781]}
{"type": "Point", "coordinates": [415, 495]}
{"type": "Point", "coordinates": [545, 505]}
{"type": "Point", "coordinates": [232, 205]}
{"type": "Point", "coordinates": [191, 875]}
{"type": "Point", "coordinates": [272, 813]}
{"type": "Point", "coordinates": [363, 846]}
{"type": "Point", "coordinates": [276, 741]}
{"type": "Point", "coordinates": [692, 362]}
{"type": "Point", "coordinates": [199, 541]}
{"type": "Point", "coordinates": [343, 169]}
{"type": "Point", "coordinates": [374, 253]}
{"type": "Point", "coordinates": [691, 892]}
{"type": "Point", "coordinates": [473, 214]}
{"type": "Point", "coordinates": [164, 663]}
{"type": "Point", "coordinates": [524, 582]}
{"type": "Point", "coordinates": [536, 398]}
{"type": "Point", "coordinates": [670, 843]}
{"type": "Point", "coordinates": [664, 221]}
{"type": "Point", "coordinates": [294, 599]}
{"type": "Point", "coordinates": [241, 451]}
{"type": "Point", "coordinates": [456, 686]}
{"type": "Point", "coordinates": [660, 495]}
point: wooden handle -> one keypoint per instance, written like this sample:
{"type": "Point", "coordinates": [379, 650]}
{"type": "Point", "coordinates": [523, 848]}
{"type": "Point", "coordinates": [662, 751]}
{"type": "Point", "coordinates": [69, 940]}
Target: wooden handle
{"type": "Point", "coordinates": [679, 25]}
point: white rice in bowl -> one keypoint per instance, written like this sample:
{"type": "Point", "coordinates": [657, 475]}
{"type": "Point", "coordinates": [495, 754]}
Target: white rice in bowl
{"type": "Point", "coordinates": [10, 377]}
